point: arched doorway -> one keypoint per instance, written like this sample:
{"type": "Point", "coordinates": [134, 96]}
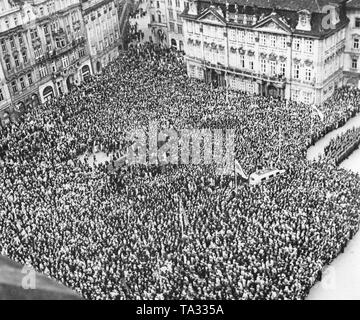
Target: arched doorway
{"type": "Point", "coordinates": [85, 72]}
{"type": "Point", "coordinates": [48, 93]}
{"type": "Point", "coordinates": [272, 91]}
{"type": "Point", "coordinates": [173, 43]}
{"type": "Point", "coordinates": [98, 66]}
{"type": "Point", "coordinates": [70, 82]}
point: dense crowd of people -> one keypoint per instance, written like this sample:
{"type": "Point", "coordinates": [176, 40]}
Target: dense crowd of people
{"type": "Point", "coordinates": [121, 234]}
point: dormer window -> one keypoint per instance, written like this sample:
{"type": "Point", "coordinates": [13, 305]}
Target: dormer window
{"type": "Point", "coordinates": [304, 22]}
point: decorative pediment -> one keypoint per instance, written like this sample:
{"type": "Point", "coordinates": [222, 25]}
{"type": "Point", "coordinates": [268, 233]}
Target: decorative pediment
{"type": "Point", "coordinates": [273, 24]}
{"type": "Point", "coordinates": [211, 16]}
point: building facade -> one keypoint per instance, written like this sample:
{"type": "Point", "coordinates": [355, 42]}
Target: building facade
{"type": "Point", "coordinates": [103, 31]}
{"type": "Point", "coordinates": [253, 47]}
{"type": "Point", "coordinates": [174, 9]}
{"type": "Point", "coordinates": [158, 22]}
{"type": "Point", "coordinates": [43, 49]}
{"type": "Point", "coordinates": [352, 50]}
{"type": "Point", "coordinates": [49, 46]}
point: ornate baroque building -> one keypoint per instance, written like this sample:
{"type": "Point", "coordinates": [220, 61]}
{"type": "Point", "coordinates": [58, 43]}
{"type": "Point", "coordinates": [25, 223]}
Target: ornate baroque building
{"type": "Point", "coordinates": [48, 46]}
{"type": "Point", "coordinates": [43, 49]}
{"type": "Point", "coordinates": [290, 49]}
{"type": "Point", "coordinates": [103, 31]}
{"type": "Point", "coordinates": [352, 51]}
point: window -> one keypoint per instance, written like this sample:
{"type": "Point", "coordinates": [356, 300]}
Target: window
{"type": "Point", "coordinates": [251, 37]}
{"type": "Point", "coordinates": [357, 22]}
{"type": "Point", "coordinates": [152, 18]}
{"type": "Point", "coordinates": [273, 41]}
{"type": "Point", "coordinates": [16, 59]}
{"type": "Point", "coordinates": [65, 61]}
{"type": "Point", "coordinates": [356, 43]}
{"type": "Point", "coordinates": [1, 95]}
{"type": "Point", "coordinates": [7, 24]}
{"type": "Point", "coordinates": [81, 52]}
{"type": "Point", "coordinates": [295, 95]}
{"type": "Point", "coordinates": [179, 27]}
{"type": "Point", "coordinates": [33, 34]}
{"type": "Point", "coordinates": [29, 77]}
{"type": "Point", "coordinates": [309, 46]}
{"type": "Point", "coordinates": [24, 57]}
{"type": "Point", "coordinates": [12, 42]}
{"type": "Point", "coordinates": [172, 26]}
{"type": "Point", "coordinates": [46, 29]}
{"type": "Point", "coordinates": [354, 63]}
{"type": "Point", "coordinates": [15, 21]}
{"type": "Point", "coordinates": [159, 18]}
{"type": "Point", "coordinates": [53, 66]}
{"type": "Point", "coordinates": [283, 69]}
{"type": "Point", "coordinates": [263, 65]}
{"type": "Point", "coordinates": [8, 64]}
{"type": "Point", "coordinates": [169, 2]}
{"type": "Point", "coordinates": [14, 87]}
{"type": "Point", "coordinates": [262, 39]}
{"type": "Point", "coordinates": [192, 71]}
{"type": "Point", "coordinates": [242, 61]}
{"type": "Point", "coordinates": [283, 42]}
{"type": "Point", "coordinates": [21, 40]}
{"type": "Point", "coordinates": [171, 14]}
{"type": "Point", "coordinates": [297, 44]}
{"type": "Point", "coordinates": [308, 97]}
{"type": "Point", "coordinates": [3, 45]}
{"type": "Point", "coordinates": [272, 68]}
{"type": "Point", "coordinates": [177, 3]}
{"type": "Point", "coordinates": [157, 4]}
{"type": "Point", "coordinates": [251, 65]}
{"type": "Point", "coordinates": [43, 71]}
{"type": "Point", "coordinates": [296, 71]}
{"type": "Point", "coordinates": [308, 74]}
{"type": "Point", "coordinates": [22, 83]}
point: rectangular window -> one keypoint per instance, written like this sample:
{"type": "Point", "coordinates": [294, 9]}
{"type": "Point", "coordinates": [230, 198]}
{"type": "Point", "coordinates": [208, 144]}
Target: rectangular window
{"type": "Point", "coordinates": [171, 14]}
{"type": "Point", "coordinates": [172, 26]}
{"type": "Point", "coordinates": [22, 83]}
{"type": "Point", "coordinates": [272, 68]}
{"type": "Point", "coordinates": [16, 59]}
{"type": "Point", "coordinates": [273, 41]}
{"type": "Point", "coordinates": [308, 74]}
{"type": "Point", "coordinates": [356, 43]}
{"type": "Point", "coordinates": [3, 45]}
{"type": "Point", "coordinates": [263, 65]}
{"type": "Point", "coordinates": [354, 63]}
{"type": "Point", "coordinates": [283, 69]}
{"type": "Point", "coordinates": [29, 77]}
{"type": "Point", "coordinates": [242, 61]}
{"type": "Point", "coordinates": [296, 71]}
{"type": "Point", "coordinates": [357, 22]}
{"type": "Point", "coordinates": [43, 71]}
{"type": "Point", "coordinates": [309, 46]}
{"type": "Point", "coordinates": [14, 87]}
{"type": "Point", "coordinates": [262, 39]}
{"type": "Point", "coordinates": [179, 28]}
{"type": "Point", "coordinates": [192, 71]}
{"type": "Point", "coordinates": [65, 62]}
{"type": "Point", "coordinates": [1, 95]}
{"type": "Point", "coordinates": [24, 57]}
{"type": "Point", "coordinates": [296, 44]}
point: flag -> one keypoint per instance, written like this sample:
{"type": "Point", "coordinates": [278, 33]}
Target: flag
{"type": "Point", "coordinates": [239, 170]}
{"type": "Point", "coordinates": [319, 113]}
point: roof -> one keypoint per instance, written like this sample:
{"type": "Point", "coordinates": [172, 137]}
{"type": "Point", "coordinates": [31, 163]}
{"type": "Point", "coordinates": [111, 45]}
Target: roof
{"type": "Point", "coordinates": [353, 4]}
{"type": "Point", "coordinates": [291, 5]}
